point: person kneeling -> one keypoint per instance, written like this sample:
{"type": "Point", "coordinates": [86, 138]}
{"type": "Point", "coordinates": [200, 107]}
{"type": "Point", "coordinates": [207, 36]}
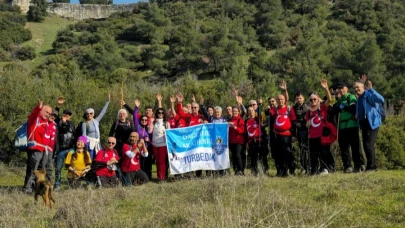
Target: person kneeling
{"type": "Point", "coordinates": [78, 163]}
{"type": "Point", "coordinates": [105, 164]}
{"type": "Point", "coordinates": [131, 153]}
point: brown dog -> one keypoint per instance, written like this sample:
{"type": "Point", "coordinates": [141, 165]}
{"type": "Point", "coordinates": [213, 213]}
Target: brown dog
{"type": "Point", "coordinates": [44, 188]}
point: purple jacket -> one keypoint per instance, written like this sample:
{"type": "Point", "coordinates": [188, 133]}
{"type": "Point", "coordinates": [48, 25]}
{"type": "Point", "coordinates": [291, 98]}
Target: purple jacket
{"type": "Point", "coordinates": [143, 132]}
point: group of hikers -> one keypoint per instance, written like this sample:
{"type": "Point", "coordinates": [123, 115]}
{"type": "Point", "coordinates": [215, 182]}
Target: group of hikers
{"type": "Point", "coordinates": [132, 146]}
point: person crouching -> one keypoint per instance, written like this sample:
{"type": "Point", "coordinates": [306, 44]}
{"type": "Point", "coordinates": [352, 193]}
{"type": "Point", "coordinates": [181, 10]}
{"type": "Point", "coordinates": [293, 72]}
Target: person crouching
{"type": "Point", "coordinates": [78, 163]}
{"type": "Point", "coordinates": [131, 154]}
{"type": "Point", "coordinates": [106, 164]}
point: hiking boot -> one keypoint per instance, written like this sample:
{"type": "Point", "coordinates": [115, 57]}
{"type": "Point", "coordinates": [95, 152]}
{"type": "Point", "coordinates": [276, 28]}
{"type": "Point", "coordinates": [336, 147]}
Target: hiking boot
{"type": "Point", "coordinates": [324, 172]}
{"type": "Point", "coordinates": [348, 170]}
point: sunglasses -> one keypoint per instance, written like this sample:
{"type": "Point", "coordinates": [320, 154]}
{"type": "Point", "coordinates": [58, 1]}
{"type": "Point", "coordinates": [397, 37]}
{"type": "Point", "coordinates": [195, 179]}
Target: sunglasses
{"type": "Point", "coordinates": [160, 112]}
{"type": "Point", "coordinates": [144, 119]}
{"type": "Point", "coordinates": [111, 143]}
{"type": "Point", "coordinates": [312, 100]}
{"type": "Point", "coordinates": [252, 105]}
{"type": "Point", "coordinates": [272, 101]}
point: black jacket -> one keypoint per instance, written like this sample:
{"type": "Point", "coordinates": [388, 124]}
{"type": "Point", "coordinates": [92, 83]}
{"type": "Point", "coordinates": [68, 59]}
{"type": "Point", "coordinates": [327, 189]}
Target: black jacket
{"type": "Point", "coordinates": [66, 135]}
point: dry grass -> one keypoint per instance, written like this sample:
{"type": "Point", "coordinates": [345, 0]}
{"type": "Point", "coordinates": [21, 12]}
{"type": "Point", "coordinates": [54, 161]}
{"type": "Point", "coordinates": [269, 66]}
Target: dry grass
{"type": "Point", "coordinates": [338, 200]}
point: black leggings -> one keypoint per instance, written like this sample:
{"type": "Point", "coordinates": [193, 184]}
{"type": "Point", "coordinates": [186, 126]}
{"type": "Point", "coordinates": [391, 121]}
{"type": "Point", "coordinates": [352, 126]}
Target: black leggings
{"type": "Point", "coordinates": [238, 157]}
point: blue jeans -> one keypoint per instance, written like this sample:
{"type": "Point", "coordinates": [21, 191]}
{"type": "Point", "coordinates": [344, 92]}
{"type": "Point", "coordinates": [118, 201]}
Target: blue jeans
{"type": "Point", "coordinates": [59, 162]}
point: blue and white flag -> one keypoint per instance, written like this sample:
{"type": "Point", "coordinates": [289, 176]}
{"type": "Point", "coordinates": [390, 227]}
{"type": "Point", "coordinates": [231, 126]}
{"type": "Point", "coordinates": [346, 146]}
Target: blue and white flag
{"type": "Point", "coordinates": [200, 147]}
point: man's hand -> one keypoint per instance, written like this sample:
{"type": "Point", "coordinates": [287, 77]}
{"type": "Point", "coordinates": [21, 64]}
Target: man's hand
{"type": "Point", "coordinates": [363, 78]}
{"type": "Point", "coordinates": [179, 97]}
{"type": "Point", "coordinates": [122, 102]}
{"type": "Point", "coordinates": [61, 100]}
{"type": "Point", "coordinates": [159, 97]}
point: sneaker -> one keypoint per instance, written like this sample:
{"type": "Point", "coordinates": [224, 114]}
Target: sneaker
{"type": "Point", "coordinates": [362, 168]}
{"type": "Point", "coordinates": [303, 172]}
{"type": "Point", "coordinates": [348, 170]}
{"type": "Point", "coordinates": [324, 172]}
{"type": "Point", "coordinates": [28, 191]}
{"type": "Point", "coordinates": [56, 188]}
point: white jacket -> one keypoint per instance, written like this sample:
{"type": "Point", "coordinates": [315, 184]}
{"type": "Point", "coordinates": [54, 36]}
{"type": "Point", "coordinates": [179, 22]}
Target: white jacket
{"type": "Point", "coordinates": [158, 133]}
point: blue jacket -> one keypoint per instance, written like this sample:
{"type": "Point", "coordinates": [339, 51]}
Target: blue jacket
{"type": "Point", "coordinates": [366, 107]}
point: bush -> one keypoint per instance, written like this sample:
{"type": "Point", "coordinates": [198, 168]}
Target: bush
{"type": "Point", "coordinates": [25, 53]}
{"type": "Point", "coordinates": [37, 11]}
{"type": "Point", "coordinates": [4, 55]}
{"type": "Point", "coordinates": [390, 145]}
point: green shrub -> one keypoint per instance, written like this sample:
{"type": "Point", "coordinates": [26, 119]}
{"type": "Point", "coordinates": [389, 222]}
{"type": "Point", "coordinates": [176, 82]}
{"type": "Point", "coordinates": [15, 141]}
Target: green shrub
{"type": "Point", "coordinates": [390, 145]}
{"type": "Point", "coordinates": [25, 53]}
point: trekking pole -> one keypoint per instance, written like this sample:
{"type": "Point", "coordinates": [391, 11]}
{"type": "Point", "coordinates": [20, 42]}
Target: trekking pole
{"type": "Point", "coordinates": [338, 124]}
{"type": "Point", "coordinates": [124, 179]}
{"type": "Point", "coordinates": [308, 156]}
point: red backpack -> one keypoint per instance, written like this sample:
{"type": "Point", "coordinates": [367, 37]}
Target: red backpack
{"type": "Point", "coordinates": [329, 130]}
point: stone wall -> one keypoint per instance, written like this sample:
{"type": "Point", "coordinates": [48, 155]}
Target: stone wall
{"type": "Point", "coordinates": [85, 11]}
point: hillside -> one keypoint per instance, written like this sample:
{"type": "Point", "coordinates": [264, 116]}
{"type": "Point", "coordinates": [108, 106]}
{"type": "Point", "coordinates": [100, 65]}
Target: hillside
{"type": "Point", "coordinates": [337, 200]}
{"type": "Point", "coordinates": [201, 48]}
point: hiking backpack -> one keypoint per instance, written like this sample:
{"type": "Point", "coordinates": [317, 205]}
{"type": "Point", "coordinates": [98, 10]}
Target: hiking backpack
{"type": "Point", "coordinates": [380, 109]}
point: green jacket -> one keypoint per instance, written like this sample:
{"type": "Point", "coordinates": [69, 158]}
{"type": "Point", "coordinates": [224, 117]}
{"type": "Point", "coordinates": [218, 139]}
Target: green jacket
{"type": "Point", "coordinates": [345, 103]}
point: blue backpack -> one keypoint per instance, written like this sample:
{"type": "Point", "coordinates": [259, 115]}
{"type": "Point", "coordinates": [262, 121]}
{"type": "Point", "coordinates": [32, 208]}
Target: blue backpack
{"type": "Point", "coordinates": [380, 109]}
{"type": "Point", "coordinates": [21, 139]}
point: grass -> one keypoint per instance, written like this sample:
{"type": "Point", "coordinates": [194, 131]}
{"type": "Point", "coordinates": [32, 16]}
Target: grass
{"type": "Point", "coordinates": [337, 200]}
{"type": "Point", "coordinates": [44, 33]}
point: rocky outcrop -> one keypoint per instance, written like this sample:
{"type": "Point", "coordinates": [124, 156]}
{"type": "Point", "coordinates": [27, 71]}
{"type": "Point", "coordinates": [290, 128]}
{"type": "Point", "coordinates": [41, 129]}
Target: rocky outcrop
{"type": "Point", "coordinates": [23, 4]}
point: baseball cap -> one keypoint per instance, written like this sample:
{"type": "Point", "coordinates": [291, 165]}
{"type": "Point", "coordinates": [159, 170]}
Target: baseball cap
{"type": "Point", "coordinates": [67, 112]}
{"type": "Point", "coordinates": [341, 85]}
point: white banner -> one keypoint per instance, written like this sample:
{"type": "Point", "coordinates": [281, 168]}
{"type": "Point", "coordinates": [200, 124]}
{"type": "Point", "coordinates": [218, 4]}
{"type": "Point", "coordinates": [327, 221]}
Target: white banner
{"type": "Point", "coordinates": [200, 147]}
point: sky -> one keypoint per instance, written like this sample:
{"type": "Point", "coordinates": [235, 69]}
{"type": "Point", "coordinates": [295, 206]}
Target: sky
{"type": "Point", "coordinates": [115, 1]}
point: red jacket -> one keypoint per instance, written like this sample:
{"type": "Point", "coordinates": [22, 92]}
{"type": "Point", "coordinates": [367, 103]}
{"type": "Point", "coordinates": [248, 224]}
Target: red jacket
{"type": "Point", "coordinates": [236, 136]}
{"type": "Point", "coordinates": [40, 131]}
{"type": "Point", "coordinates": [253, 130]}
{"type": "Point", "coordinates": [191, 118]}
{"type": "Point", "coordinates": [130, 164]}
{"type": "Point", "coordinates": [103, 156]}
